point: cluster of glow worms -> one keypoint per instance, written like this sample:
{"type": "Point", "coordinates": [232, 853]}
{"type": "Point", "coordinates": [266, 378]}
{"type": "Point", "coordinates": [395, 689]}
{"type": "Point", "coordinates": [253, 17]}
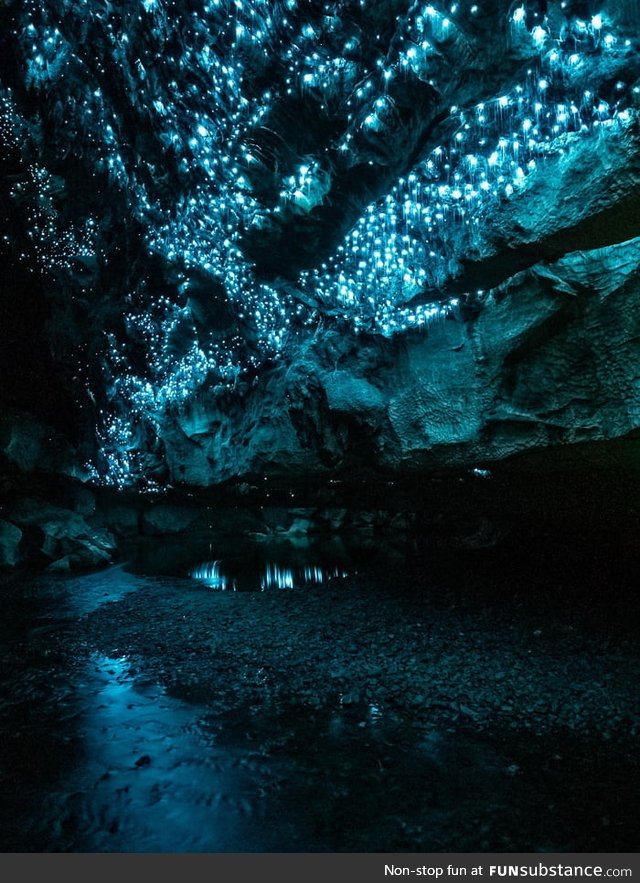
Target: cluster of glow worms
{"type": "Point", "coordinates": [193, 77]}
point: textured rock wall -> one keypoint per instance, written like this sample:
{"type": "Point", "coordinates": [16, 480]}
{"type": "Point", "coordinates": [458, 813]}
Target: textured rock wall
{"type": "Point", "coordinates": [180, 186]}
{"type": "Point", "coordinates": [549, 357]}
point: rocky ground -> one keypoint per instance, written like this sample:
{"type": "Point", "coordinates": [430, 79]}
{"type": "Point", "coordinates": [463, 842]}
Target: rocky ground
{"type": "Point", "coordinates": [444, 660]}
{"type": "Point", "coordinates": [391, 709]}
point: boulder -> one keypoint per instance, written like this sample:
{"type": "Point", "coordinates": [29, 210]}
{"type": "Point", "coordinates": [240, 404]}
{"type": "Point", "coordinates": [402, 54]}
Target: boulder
{"type": "Point", "coordinates": [10, 537]}
{"type": "Point", "coordinates": [65, 534]}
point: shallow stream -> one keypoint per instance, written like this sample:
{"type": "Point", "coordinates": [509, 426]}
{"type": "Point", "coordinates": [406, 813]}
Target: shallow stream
{"type": "Point", "coordinates": [293, 697]}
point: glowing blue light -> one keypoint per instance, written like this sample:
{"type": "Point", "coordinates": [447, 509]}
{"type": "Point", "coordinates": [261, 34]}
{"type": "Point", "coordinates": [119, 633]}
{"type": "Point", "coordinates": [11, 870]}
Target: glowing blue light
{"type": "Point", "coordinates": [539, 35]}
{"type": "Point", "coordinates": [403, 242]}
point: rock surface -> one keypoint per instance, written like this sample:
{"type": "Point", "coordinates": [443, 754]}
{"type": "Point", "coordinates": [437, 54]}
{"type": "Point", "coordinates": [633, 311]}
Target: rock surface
{"type": "Point", "coordinates": [548, 358]}
{"type": "Point", "coordinates": [64, 537]}
{"type": "Point", "coordinates": [10, 537]}
{"type": "Point", "coordinates": [178, 239]}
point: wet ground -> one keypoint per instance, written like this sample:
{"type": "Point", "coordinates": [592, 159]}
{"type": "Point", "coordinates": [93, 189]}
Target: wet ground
{"type": "Point", "coordinates": [311, 698]}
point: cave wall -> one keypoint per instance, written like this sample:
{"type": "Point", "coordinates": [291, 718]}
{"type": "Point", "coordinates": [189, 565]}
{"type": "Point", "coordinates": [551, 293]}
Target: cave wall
{"type": "Point", "coordinates": [310, 240]}
{"type": "Point", "coordinates": [549, 358]}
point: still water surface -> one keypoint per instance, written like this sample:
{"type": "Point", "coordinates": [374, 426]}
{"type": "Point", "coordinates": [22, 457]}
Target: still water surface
{"type": "Point", "coordinates": [99, 754]}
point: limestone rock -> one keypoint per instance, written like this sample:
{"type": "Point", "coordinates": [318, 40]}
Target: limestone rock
{"type": "Point", "coordinates": [167, 519]}
{"type": "Point", "coordinates": [189, 318]}
{"type": "Point", "coordinates": [535, 366]}
{"type": "Point", "coordinates": [64, 534]}
{"type": "Point", "coordinates": [10, 537]}
{"type": "Point", "coordinates": [32, 446]}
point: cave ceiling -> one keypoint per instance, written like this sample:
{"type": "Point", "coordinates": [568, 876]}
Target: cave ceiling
{"type": "Point", "coordinates": [204, 185]}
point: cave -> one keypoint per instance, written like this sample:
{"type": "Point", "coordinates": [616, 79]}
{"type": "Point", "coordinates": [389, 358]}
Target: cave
{"type": "Point", "coordinates": [319, 426]}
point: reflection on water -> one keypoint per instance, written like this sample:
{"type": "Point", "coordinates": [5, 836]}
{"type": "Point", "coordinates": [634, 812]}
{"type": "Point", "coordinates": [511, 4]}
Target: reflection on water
{"type": "Point", "coordinates": [149, 778]}
{"type": "Point", "coordinates": [243, 564]}
{"type": "Point", "coordinates": [287, 578]}
{"type": "Point", "coordinates": [147, 713]}
{"type": "Point", "coordinates": [210, 574]}
{"type": "Point", "coordinates": [269, 576]}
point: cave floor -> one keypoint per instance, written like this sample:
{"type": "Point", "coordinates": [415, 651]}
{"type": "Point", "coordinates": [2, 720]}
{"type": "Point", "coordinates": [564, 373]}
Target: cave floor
{"type": "Point", "coordinates": [415, 704]}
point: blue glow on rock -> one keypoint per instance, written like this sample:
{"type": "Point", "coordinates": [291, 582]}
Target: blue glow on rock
{"type": "Point", "coordinates": [194, 79]}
